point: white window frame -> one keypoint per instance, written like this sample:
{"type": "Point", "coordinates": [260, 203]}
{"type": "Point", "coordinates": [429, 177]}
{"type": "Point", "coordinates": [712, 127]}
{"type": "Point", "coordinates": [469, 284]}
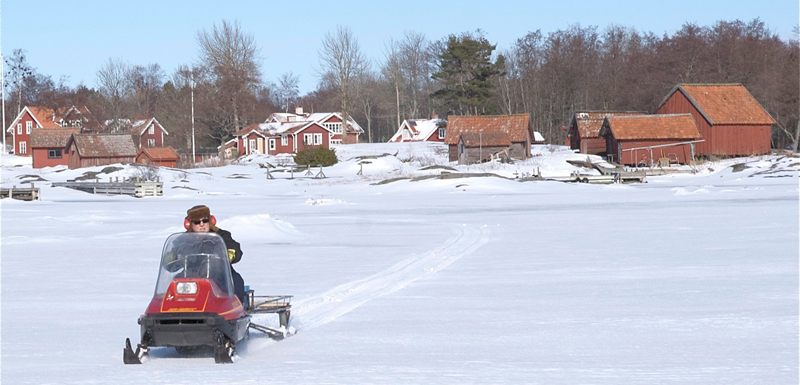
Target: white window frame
{"type": "Point", "coordinates": [272, 144]}
{"type": "Point", "coordinates": [152, 129]}
{"type": "Point", "coordinates": [442, 132]}
{"type": "Point", "coordinates": [23, 147]}
{"type": "Point", "coordinates": [251, 146]}
{"type": "Point", "coordinates": [151, 142]}
{"type": "Point", "coordinates": [284, 140]}
{"type": "Point", "coordinates": [19, 128]}
{"type": "Point", "coordinates": [336, 141]}
{"type": "Point", "coordinates": [335, 127]}
{"type": "Point", "coordinates": [317, 139]}
{"type": "Point", "coordinates": [308, 138]}
{"type": "Point", "coordinates": [28, 126]}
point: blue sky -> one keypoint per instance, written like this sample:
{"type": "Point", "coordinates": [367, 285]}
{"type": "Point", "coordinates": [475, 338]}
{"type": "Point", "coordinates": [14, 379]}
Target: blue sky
{"type": "Point", "coordinates": [75, 37]}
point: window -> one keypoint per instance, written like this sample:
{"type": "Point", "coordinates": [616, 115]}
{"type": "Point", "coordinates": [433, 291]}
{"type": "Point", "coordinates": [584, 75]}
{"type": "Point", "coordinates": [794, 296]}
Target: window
{"type": "Point", "coordinates": [317, 139]}
{"type": "Point", "coordinates": [54, 154]}
{"type": "Point", "coordinates": [28, 126]}
{"type": "Point", "coordinates": [151, 142]}
{"type": "Point", "coordinates": [272, 144]}
{"type": "Point", "coordinates": [308, 138]}
{"type": "Point", "coordinates": [284, 140]}
{"type": "Point", "coordinates": [19, 128]}
{"type": "Point", "coordinates": [336, 141]}
{"type": "Point", "coordinates": [336, 128]}
{"type": "Point", "coordinates": [442, 132]}
{"type": "Point", "coordinates": [252, 145]}
{"type": "Point", "coordinates": [152, 129]}
{"type": "Point", "coordinates": [23, 148]}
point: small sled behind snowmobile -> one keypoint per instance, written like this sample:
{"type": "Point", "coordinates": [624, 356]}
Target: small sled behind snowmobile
{"type": "Point", "coordinates": [194, 304]}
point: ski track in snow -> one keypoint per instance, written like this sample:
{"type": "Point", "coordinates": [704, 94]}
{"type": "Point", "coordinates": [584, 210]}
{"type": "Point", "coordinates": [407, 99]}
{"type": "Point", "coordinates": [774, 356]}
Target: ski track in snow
{"type": "Point", "coordinates": [326, 307]}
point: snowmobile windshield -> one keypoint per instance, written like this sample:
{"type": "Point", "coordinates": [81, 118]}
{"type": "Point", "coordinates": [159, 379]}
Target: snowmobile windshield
{"type": "Point", "coordinates": [195, 255]}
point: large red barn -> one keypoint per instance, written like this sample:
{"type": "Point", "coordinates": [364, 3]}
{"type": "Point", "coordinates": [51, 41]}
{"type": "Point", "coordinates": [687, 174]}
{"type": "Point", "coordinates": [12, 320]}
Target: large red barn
{"type": "Point", "coordinates": [729, 118]}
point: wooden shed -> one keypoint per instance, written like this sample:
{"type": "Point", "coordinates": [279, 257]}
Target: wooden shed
{"type": "Point", "coordinates": [583, 133]}
{"type": "Point", "coordinates": [87, 150]}
{"type": "Point", "coordinates": [729, 118]}
{"type": "Point", "coordinates": [47, 146]}
{"type": "Point", "coordinates": [647, 139]}
{"type": "Point", "coordinates": [475, 139]}
{"type": "Point", "coordinates": [158, 156]}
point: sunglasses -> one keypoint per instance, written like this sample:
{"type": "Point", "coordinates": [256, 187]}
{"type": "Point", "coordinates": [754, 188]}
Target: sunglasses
{"type": "Point", "coordinates": [204, 220]}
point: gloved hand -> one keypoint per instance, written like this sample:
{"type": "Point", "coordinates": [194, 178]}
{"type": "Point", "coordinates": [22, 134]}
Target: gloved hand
{"type": "Point", "coordinates": [231, 254]}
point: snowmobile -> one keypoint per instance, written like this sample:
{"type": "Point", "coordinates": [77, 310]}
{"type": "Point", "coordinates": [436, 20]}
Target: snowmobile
{"type": "Point", "coordinates": [194, 304]}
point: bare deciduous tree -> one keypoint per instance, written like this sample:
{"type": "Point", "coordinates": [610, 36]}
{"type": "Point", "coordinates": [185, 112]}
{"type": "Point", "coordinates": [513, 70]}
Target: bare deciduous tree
{"type": "Point", "coordinates": [288, 90]}
{"type": "Point", "coordinates": [231, 55]}
{"type": "Point", "coordinates": [112, 84]}
{"type": "Point", "coordinates": [341, 57]}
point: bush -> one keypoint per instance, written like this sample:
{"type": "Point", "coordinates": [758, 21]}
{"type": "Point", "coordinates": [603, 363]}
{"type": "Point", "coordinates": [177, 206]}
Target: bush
{"type": "Point", "coordinates": [316, 156]}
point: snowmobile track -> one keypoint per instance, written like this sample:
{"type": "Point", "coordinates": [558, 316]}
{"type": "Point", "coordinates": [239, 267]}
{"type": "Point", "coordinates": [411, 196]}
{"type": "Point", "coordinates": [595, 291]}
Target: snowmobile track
{"type": "Point", "coordinates": [326, 307]}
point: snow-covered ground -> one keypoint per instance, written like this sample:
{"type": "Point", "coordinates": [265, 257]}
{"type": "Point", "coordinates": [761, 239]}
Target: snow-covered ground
{"type": "Point", "coordinates": [688, 278]}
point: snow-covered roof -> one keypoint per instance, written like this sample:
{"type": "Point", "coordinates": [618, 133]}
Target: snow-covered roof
{"type": "Point", "coordinates": [418, 129]}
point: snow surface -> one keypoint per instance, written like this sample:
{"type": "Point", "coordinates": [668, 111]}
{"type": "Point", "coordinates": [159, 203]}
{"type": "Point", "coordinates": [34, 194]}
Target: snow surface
{"type": "Point", "coordinates": [685, 279]}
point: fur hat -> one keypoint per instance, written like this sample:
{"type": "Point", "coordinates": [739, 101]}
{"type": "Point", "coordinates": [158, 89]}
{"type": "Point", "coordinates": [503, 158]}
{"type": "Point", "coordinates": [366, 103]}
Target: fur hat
{"type": "Point", "coordinates": [199, 212]}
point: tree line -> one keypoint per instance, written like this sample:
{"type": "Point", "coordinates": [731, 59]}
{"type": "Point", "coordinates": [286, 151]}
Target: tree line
{"type": "Point", "coordinates": [547, 75]}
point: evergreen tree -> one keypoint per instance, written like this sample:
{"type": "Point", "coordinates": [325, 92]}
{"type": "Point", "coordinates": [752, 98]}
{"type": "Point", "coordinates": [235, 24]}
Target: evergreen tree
{"type": "Point", "coordinates": [466, 72]}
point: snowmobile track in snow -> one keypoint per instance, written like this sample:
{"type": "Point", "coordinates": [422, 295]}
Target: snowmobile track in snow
{"type": "Point", "coordinates": [326, 307]}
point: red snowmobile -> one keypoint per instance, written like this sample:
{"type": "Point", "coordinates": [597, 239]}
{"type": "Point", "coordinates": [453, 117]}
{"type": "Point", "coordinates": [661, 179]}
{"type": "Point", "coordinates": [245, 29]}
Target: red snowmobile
{"type": "Point", "coordinates": [194, 304]}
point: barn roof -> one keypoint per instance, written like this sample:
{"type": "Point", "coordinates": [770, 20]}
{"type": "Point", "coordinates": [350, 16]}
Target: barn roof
{"type": "Point", "coordinates": [500, 130]}
{"type": "Point", "coordinates": [723, 103]}
{"type": "Point", "coordinates": [640, 127]}
{"type": "Point", "coordinates": [104, 145]}
{"type": "Point", "coordinates": [51, 137]}
{"type": "Point", "coordinates": [160, 153]}
{"type": "Point", "coordinates": [589, 123]}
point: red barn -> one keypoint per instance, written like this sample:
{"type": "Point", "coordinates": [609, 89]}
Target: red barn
{"type": "Point", "coordinates": [583, 133]}
{"type": "Point", "coordinates": [47, 146]}
{"type": "Point", "coordinates": [158, 156]}
{"type": "Point", "coordinates": [730, 120]}
{"type": "Point", "coordinates": [647, 138]}
{"type": "Point", "coordinates": [476, 139]}
{"type": "Point", "coordinates": [86, 150]}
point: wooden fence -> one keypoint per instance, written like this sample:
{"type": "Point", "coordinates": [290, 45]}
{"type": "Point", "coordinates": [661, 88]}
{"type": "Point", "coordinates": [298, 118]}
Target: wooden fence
{"type": "Point", "coordinates": [133, 187]}
{"type": "Point", "coordinates": [25, 194]}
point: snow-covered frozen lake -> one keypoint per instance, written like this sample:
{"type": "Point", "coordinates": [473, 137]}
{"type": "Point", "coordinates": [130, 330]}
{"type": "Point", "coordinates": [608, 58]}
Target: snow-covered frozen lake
{"type": "Point", "coordinates": [685, 279]}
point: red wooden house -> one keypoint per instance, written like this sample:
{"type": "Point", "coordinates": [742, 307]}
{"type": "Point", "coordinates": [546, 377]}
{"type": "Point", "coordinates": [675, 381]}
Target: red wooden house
{"type": "Point", "coordinates": [729, 118]}
{"type": "Point", "coordinates": [286, 138]}
{"type": "Point", "coordinates": [47, 146]}
{"type": "Point", "coordinates": [158, 156]}
{"type": "Point", "coordinates": [475, 139]}
{"type": "Point", "coordinates": [28, 119]}
{"type": "Point", "coordinates": [583, 133]}
{"type": "Point", "coordinates": [86, 150]}
{"type": "Point", "coordinates": [148, 133]}
{"type": "Point", "coordinates": [82, 118]}
{"type": "Point", "coordinates": [332, 121]}
{"type": "Point", "coordinates": [647, 138]}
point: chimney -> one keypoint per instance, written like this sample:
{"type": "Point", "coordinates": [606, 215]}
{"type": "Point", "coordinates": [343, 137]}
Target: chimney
{"type": "Point", "coordinates": [298, 110]}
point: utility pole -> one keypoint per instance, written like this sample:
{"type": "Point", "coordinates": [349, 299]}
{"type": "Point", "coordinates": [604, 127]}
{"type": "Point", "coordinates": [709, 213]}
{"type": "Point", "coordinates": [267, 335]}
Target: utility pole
{"type": "Point", "coordinates": [3, 88]}
{"type": "Point", "coordinates": [194, 157]}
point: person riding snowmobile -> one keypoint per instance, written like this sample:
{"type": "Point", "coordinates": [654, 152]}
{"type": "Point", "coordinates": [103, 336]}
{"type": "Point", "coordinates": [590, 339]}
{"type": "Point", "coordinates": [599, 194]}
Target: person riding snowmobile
{"type": "Point", "coordinates": [199, 219]}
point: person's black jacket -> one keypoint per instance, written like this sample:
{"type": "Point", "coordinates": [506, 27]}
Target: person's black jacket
{"type": "Point", "coordinates": [231, 244]}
